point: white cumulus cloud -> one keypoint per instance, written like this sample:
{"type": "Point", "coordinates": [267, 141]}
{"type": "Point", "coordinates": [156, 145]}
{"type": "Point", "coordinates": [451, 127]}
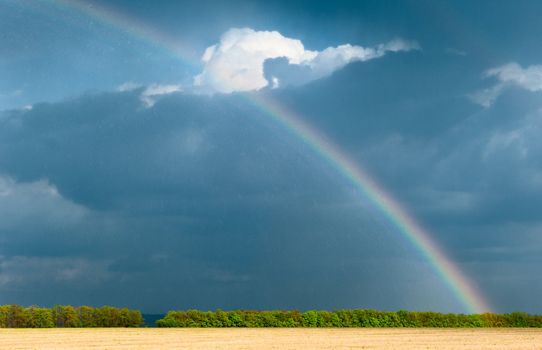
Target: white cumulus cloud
{"type": "Point", "coordinates": [236, 63]}
{"type": "Point", "coordinates": [510, 74]}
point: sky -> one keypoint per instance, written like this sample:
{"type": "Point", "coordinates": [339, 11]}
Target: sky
{"type": "Point", "coordinates": [136, 169]}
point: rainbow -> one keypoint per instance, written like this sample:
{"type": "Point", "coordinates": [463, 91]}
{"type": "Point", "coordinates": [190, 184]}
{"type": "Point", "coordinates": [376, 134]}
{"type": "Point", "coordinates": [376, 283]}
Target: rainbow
{"type": "Point", "coordinates": [449, 273]}
{"type": "Point", "coordinates": [458, 283]}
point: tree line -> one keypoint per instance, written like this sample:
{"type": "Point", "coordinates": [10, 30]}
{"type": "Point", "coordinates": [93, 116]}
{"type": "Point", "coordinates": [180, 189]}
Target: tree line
{"type": "Point", "coordinates": [16, 316]}
{"type": "Point", "coordinates": [344, 318]}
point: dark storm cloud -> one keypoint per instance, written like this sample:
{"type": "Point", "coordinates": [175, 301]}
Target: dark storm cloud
{"type": "Point", "coordinates": [193, 198]}
{"type": "Point", "coordinates": [204, 196]}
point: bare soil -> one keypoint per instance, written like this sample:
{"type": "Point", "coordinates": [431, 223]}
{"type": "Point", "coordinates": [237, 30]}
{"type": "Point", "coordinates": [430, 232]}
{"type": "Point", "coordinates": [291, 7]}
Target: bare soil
{"type": "Point", "coordinates": [262, 339]}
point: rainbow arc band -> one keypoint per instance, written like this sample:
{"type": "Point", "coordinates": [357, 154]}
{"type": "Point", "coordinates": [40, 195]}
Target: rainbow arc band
{"type": "Point", "coordinates": [452, 276]}
{"type": "Point", "coordinates": [446, 269]}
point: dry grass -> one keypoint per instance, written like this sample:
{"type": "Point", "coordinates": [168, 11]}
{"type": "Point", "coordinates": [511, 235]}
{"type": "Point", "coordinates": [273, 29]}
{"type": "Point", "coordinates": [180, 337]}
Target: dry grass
{"type": "Point", "coordinates": [149, 338]}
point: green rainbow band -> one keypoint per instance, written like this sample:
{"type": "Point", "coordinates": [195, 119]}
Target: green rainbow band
{"type": "Point", "coordinates": [450, 274]}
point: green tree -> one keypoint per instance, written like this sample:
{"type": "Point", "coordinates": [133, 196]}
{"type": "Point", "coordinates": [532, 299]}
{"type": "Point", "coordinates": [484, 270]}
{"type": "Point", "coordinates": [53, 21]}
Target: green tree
{"type": "Point", "coordinates": [18, 317]}
{"type": "Point", "coordinates": [40, 317]}
{"type": "Point", "coordinates": [4, 315]}
{"type": "Point", "coordinates": [65, 316]}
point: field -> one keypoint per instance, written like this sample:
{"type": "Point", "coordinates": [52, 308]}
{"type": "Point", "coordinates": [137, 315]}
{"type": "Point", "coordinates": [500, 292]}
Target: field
{"type": "Point", "coordinates": [300, 338]}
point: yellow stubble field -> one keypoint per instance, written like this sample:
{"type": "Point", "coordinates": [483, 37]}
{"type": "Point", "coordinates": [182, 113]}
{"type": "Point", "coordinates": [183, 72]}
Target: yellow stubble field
{"type": "Point", "coordinates": [250, 338]}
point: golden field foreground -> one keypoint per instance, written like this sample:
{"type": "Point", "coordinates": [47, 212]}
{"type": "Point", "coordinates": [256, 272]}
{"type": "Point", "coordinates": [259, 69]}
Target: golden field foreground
{"type": "Point", "coordinates": [270, 338]}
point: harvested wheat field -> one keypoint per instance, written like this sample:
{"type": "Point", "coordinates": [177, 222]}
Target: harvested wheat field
{"type": "Point", "coordinates": [149, 338]}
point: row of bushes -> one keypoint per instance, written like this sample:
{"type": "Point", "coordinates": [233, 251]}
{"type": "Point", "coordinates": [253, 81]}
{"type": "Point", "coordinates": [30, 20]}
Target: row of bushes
{"type": "Point", "coordinates": [16, 316]}
{"type": "Point", "coordinates": [343, 318]}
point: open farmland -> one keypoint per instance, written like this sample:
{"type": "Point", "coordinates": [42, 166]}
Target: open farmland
{"type": "Point", "coordinates": [300, 338]}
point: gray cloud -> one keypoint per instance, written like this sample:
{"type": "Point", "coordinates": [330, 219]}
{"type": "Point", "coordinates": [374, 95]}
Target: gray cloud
{"type": "Point", "coordinates": [193, 198]}
{"type": "Point", "coordinates": [207, 197]}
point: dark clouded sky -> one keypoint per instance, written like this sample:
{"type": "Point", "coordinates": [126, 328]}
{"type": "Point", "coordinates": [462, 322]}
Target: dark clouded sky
{"type": "Point", "coordinates": [135, 171]}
